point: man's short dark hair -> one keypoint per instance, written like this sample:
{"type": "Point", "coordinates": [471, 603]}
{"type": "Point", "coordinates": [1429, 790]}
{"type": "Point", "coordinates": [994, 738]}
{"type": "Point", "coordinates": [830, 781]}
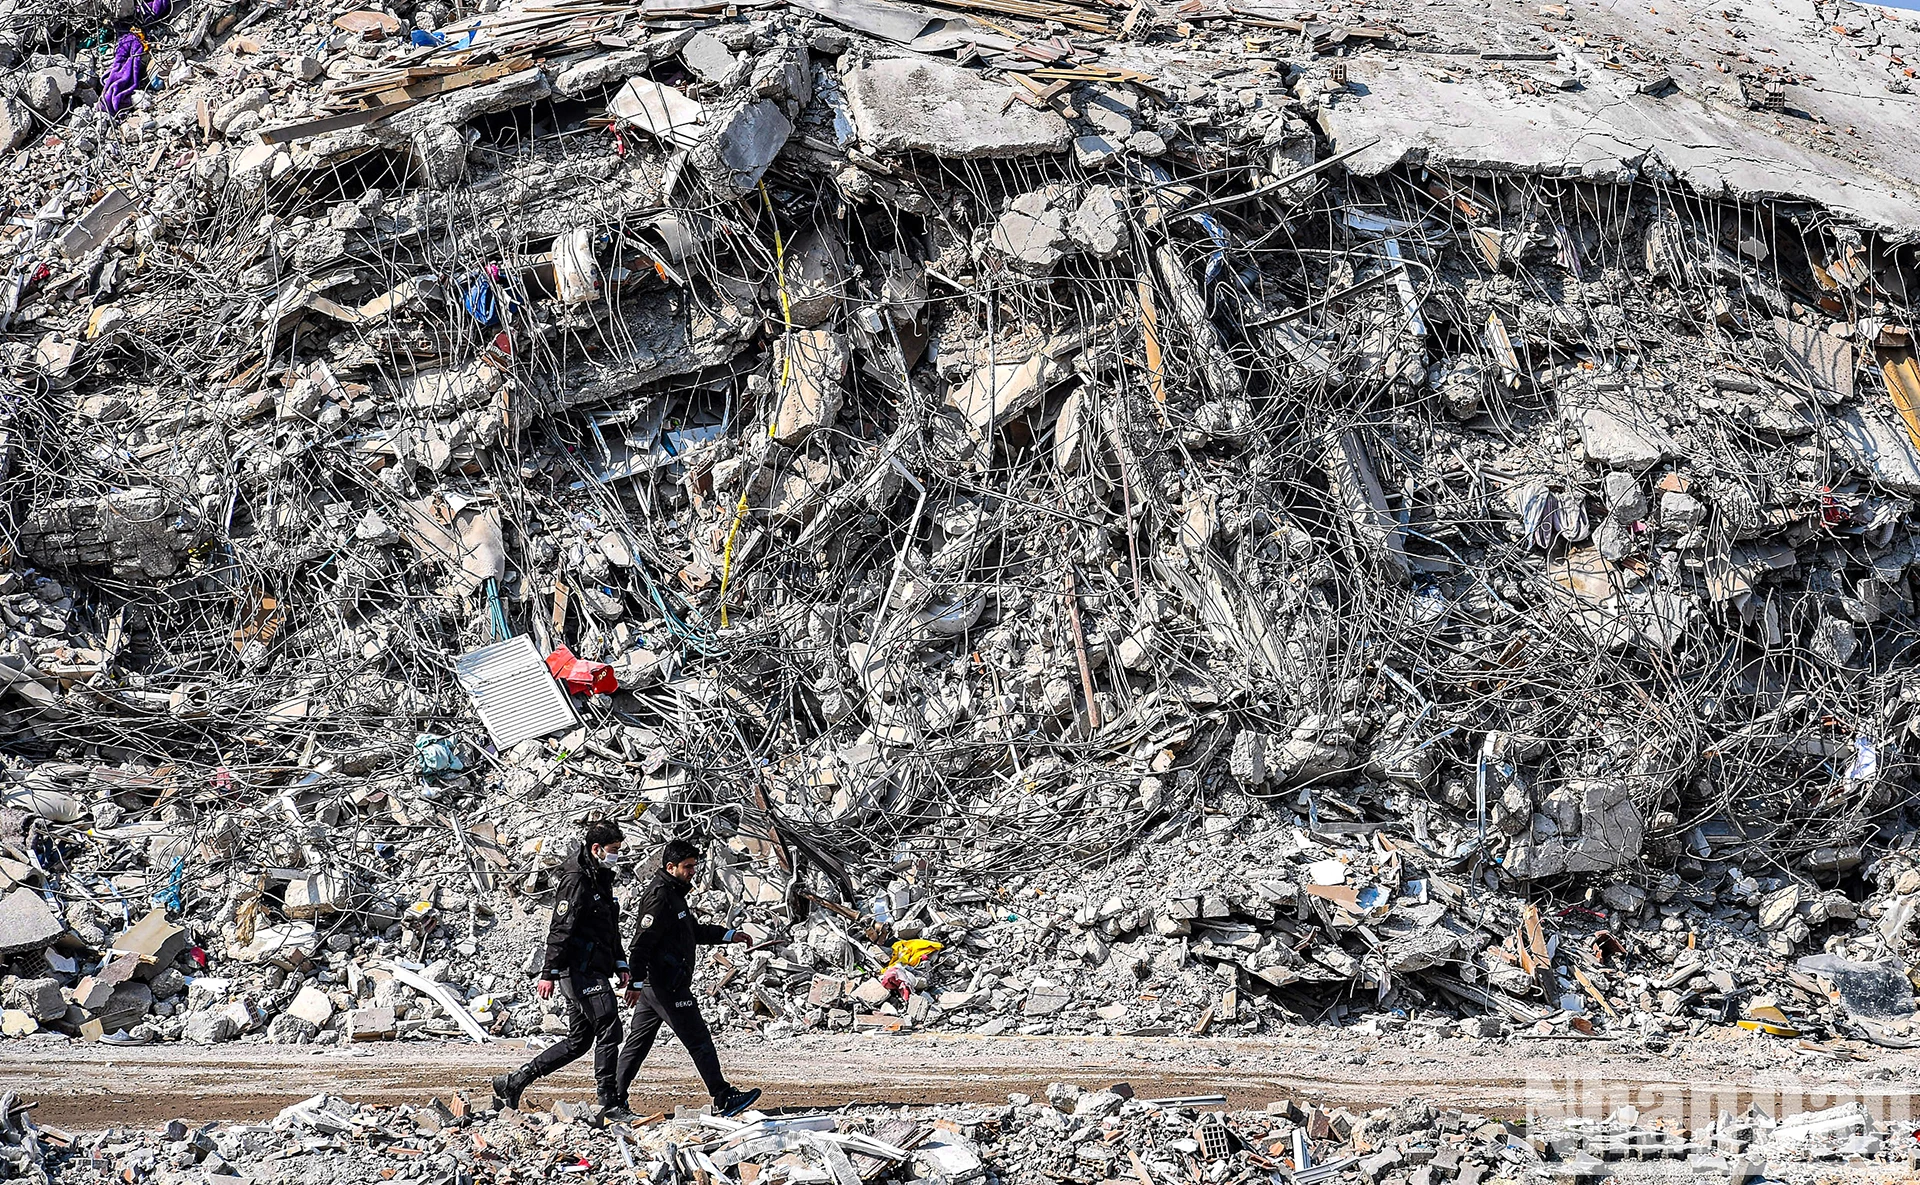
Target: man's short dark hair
{"type": "Point", "coordinates": [605, 832]}
{"type": "Point", "coordinates": [678, 851]}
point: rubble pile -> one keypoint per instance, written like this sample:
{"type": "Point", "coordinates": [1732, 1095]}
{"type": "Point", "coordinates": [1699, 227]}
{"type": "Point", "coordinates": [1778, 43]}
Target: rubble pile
{"type": "Point", "coordinates": [1071, 1135]}
{"type": "Point", "coordinates": [23, 1153]}
{"type": "Point", "coordinates": [1086, 553]}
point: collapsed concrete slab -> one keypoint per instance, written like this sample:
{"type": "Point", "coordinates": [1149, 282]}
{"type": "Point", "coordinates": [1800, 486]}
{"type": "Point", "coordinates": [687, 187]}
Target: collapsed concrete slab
{"type": "Point", "coordinates": [1605, 131]}
{"type": "Point", "coordinates": [917, 105]}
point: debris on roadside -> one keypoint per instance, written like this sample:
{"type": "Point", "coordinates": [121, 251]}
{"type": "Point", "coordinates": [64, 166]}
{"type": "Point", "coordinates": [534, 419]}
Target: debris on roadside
{"type": "Point", "coordinates": [1070, 1135]}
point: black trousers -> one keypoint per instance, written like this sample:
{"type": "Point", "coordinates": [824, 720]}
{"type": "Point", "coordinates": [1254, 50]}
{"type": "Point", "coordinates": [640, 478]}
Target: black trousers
{"type": "Point", "coordinates": [679, 1012]}
{"type": "Point", "coordinates": [593, 1022]}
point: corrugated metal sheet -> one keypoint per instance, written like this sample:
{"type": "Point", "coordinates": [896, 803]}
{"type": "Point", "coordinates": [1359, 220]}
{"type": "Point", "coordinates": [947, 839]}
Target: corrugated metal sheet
{"type": "Point", "coordinates": [512, 690]}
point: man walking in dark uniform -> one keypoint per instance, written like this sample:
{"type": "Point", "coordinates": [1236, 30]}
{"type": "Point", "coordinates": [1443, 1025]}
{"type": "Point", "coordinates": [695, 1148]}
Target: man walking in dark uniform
{"type": "Point", "coordinates": [583, 953]}
{"type": "Point", "coordinates": [662, 958]}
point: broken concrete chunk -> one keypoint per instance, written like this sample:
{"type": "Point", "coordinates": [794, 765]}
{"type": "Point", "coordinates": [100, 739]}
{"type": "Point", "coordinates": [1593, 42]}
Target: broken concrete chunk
{"type": "Point", "coordinates": [47, 90]}
{"type": "Point", "coordinates": [1610, 827]}
{"type": "Point", "coordinates": [16, 122]}
{"type": "Point", "coordinates": [311, 1005]}
{"type": "Point", "coordinates": [1824, 362]}
{"type": "Point", "coordinates": [1094, 152]}
{"type": "Point", "coordinates": [1113, 112]}
{"type": "Point", "coordinates": [583, 78]}
{"type": "Point", "coordinates": [810, 368]}
{"type": "Point", "coordinates": [1099, 222]}
{"type": "Point", "coordinates": [314, 896]}
{"type": "Point", "coordinates": [799, 490]}
{"type": "Point", "coordinates": [125, 1007]}
{"type": "Point", "coordinates": [99, 224]}
{"type": "Point", "coordinates": [709, 60]}
{"type": "Point", "coordinates": [1046, 1000]}
{"type": "Point", "coordinates": [660, 111]}
{"type": "Point", "coordinates": [210, 1028]}
{"type": "Point", "coordinates": [915, 105]}
{"type": "Point", "coordinates": [26, 922]}
{"type": "Point", "coordinates": [784, 75]}
{"type": "Point", "coordinates": [1033, 233]}
{"type": "Point", "coordinates": [439, 151]}
{"type": "Point", "coordinates": [1779, 907]}
{"type": "Point", "coordinates": [1878, 446]}
{"type": "Point", "coordinates": [1624, 440]}
{"type": "Point", "coordinates": [816, 276]}
{"type": "Point", "coordinates": [92, 993]}
{"type": "Point", "coordinates": [742, 141]}
{"type": "Point", "coordinates": [1149, 144]}
{"type": "Point", "coordinates": [1598, 829]}
{"type": "Point", "coordinates": [1680, 511]}
{"type": "Point", "coordinates": [999, 392]}
{"type": "Point", "coordinates": [247, 102]}
{"type": "Point", "coordinates": [1625, 497]}
{"type": "Point", "coordinates": [39, 998]}
{"type": "Point", "coordinates": [372, 1024]}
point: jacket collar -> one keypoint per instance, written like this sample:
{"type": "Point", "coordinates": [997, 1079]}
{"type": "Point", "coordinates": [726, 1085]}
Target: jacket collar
{"type": "Point", "coordinates": [583, 859]}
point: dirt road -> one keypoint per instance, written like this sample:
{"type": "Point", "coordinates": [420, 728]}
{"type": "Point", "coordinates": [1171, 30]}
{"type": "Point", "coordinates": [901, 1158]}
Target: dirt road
{"type": "Point", "coordinates": [91, 1086]}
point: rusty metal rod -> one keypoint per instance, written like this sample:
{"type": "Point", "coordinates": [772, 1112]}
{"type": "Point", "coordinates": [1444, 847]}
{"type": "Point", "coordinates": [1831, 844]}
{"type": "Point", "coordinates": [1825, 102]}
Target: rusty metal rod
{"type": "Point", "coordinates": [1080, 647]}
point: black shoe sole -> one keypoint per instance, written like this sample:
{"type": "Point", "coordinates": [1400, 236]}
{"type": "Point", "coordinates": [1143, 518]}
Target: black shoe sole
{"type": "Point", "coordinates": [506, 1094]}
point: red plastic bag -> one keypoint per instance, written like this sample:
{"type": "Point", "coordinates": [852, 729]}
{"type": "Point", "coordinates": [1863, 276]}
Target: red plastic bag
{"type": "Point", "coordinates": [580, 676]}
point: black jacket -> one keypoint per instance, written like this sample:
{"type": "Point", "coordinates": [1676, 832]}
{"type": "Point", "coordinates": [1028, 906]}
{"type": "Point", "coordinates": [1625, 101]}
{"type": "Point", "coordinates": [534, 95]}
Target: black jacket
{"type": "Point", "coordinates": [663, 940]}
{"type": "Point", "coordinates": [584, 937]}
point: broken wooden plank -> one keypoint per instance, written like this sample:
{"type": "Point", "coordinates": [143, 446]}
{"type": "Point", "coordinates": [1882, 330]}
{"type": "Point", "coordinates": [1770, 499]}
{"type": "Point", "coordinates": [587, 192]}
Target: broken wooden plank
{"type": "Point", "coordinates": [426, 88]}
{"type": "Point", "coordinates": [293, 133]}
{"type": "Point", "coordinates": [1902, 372]}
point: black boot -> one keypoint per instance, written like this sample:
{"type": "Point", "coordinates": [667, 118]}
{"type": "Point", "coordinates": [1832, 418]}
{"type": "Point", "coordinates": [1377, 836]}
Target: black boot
{"type": "Point", "coordinates": [509, 1087]}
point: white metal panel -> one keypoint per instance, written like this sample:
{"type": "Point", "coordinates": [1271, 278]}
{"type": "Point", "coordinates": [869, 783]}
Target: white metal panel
{"type": "Point", "coordinates": [517, 697]}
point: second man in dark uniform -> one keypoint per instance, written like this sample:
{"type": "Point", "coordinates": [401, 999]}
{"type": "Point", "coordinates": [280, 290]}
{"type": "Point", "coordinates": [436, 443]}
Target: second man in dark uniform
{"type": "Point", "coordinates": [665, 934]}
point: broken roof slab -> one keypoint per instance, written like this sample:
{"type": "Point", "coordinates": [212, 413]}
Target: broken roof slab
{"type": "Point", "coordinates": [1605, 132]}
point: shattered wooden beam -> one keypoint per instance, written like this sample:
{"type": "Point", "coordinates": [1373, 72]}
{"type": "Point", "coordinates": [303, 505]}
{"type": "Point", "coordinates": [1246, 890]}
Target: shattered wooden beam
{"type": "Point", "coordinates": [293, 133]}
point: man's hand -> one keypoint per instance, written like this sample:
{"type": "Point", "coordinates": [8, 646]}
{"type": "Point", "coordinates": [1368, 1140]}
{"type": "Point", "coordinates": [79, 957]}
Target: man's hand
{"type": "Point", "coordinates": [737, 936]}
{"type": "Point", "coordinates": [633, 996]}
{"type": "Point", "coordinates": [545, 989]}
{"type": "Point", "coordinates": [626, 977]}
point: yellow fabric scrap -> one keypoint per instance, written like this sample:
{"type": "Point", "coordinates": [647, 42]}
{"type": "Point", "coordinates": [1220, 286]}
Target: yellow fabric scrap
{"type": "Point", "coordinates": [910, 951]}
